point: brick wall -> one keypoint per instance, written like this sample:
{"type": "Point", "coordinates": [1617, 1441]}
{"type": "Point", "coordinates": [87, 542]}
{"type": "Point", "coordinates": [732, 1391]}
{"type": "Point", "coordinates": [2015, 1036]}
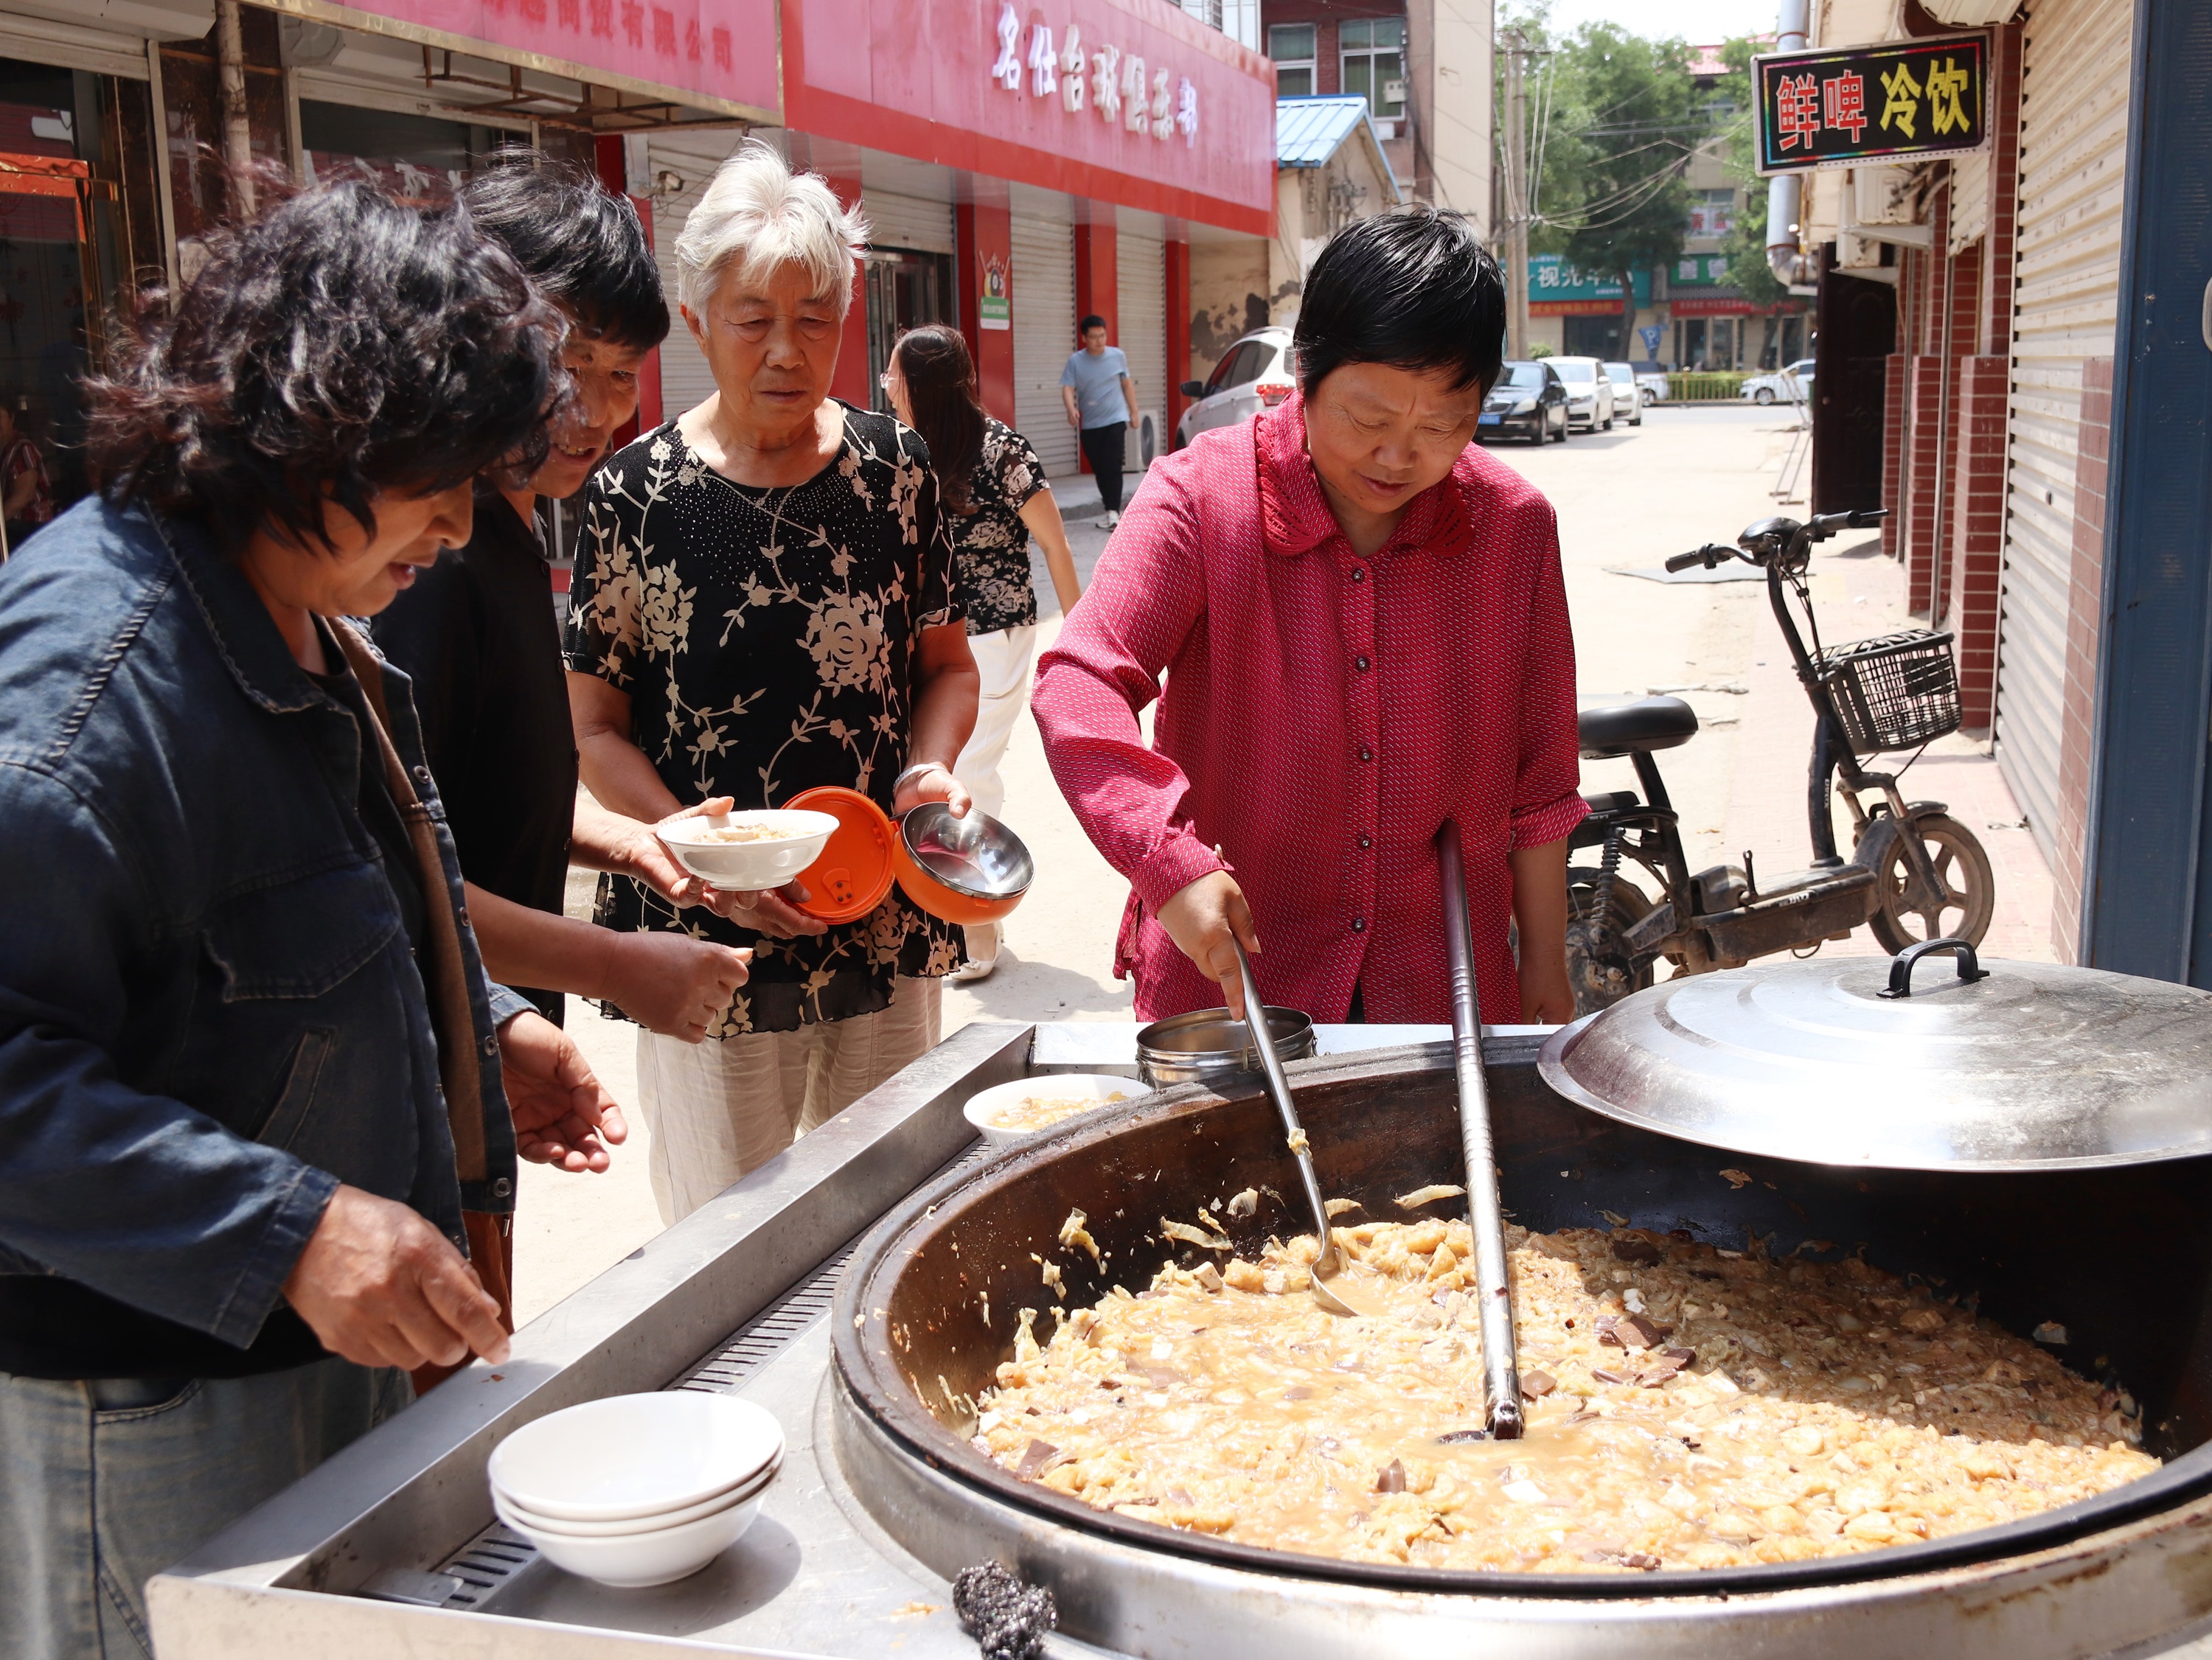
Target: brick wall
{"type": "Point", "coordinates": [1976, 533]}
{"type": "Point", "coordinates": [2085, 609]}
{"type": "Point", "coordinates": [1893, 452]}
{"type": "Point", "coordinates": [2005, 47]}
{"type": "Point", "coordinates": [1923, 438]}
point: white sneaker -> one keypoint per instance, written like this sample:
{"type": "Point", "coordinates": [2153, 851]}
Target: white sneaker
{"type": "Point", "coordinates": [1107, 521]}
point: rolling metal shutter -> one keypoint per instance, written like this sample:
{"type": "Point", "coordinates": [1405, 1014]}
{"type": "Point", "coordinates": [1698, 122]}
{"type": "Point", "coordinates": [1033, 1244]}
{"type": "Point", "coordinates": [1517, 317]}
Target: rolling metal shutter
{"type": "Point", "coordinates": [686, 382]}
{"type": "Point", "coordinates": [1043, 285]}
{"type": "Point", "coordinates": [2073, 151]}
{"type": "Point", "coordinates": [908, 221]}
{"type": "Point", "coordinates": [1140, 300]}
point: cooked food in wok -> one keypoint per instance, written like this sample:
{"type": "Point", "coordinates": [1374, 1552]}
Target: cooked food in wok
{"type": "Point", "coordinates": [1689, 1407]}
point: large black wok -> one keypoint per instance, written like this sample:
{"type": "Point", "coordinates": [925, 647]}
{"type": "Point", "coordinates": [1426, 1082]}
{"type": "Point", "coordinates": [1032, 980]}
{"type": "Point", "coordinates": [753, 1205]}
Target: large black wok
{"type": "Point", "coordinates": [2121, 1257]}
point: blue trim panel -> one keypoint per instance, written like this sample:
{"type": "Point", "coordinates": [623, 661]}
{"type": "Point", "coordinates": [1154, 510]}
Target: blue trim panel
{"type": "Point", "coordinates": [2147, 904]}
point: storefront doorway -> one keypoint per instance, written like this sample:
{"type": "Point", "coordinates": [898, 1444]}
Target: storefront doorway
{"type": "Point", "coordinates": [1594, 336]}
{"type": "Point", "coordinates": [64, 266]}
{"type": "Point", "coordinates": [419, 158]}
{"type": "Point", "coordinates": [906, 289]}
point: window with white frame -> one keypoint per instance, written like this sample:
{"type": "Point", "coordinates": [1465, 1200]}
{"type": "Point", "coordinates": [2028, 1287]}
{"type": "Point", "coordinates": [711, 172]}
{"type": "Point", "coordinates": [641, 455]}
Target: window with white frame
{"type": "Point", "coordinates": [1237, 19]}
{"type": "Point", "coordinates": [1712, 213]}
{"type": "Point", "coordinates": [1372, 51]}
{"type": "Point", "coordinates": [1292, 47]}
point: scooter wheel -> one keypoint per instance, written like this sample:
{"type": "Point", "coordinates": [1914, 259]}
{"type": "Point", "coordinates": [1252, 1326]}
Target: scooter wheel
{"type": "Point", "coordinates": [1962, 865]}
{"type": "Point", "coordinates": [1599, 965]}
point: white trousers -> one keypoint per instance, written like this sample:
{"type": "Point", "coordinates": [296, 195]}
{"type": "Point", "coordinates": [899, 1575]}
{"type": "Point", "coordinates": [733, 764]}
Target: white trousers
{"type": "Point", "coordinates": [1002, 657]}
{"type": "Point", "coordinates": [720, 1109]}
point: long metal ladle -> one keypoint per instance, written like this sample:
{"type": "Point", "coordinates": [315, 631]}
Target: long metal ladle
{"type": "Point", "coordinates": [1501, 1369]}
{"type": "Point", "coordinates": [1330, 1262]}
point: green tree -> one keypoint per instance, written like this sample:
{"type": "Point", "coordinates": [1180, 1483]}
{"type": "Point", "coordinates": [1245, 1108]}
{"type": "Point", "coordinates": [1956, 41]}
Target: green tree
{"type": "Point", "coordinates": [1617, 120]}
{"type": "Point", "coordinates": [1746, 246]}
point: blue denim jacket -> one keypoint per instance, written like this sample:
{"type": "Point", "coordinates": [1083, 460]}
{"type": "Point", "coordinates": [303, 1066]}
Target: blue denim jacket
{"type": "Point", "coordinates": [209, 1013]}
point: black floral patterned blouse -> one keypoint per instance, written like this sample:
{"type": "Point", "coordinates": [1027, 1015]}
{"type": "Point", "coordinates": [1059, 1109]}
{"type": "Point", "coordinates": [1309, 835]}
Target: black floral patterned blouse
{"type": "Point", "coordinates": [767, 640]}
{"type": "Point", "coordinates": [992, 543]}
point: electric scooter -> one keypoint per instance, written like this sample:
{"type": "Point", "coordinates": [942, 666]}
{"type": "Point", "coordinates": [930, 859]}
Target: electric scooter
{"type": "Point", "coordinates": [1914, 873]}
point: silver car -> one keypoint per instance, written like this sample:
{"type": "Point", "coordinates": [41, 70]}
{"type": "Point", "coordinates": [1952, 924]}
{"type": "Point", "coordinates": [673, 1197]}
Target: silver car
{"type": "Point", "coordinates": [1627, 391]}
{"type": "Point", "coordinates": [1792, 384]}
{"type": "Point", "coordinates": [1253, 375]}
{"type": "Point", "coordinates": [1590, 391]}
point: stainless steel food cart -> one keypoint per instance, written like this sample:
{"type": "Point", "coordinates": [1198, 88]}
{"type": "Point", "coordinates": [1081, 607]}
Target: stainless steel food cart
{"type": "Point", "coordinates": [390, 1548]}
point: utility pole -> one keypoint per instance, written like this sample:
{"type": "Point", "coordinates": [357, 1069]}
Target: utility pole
{"type": "Point", "coordinates": [237, 132]}
{"type": "Point", "coordinates": [1516, 196]}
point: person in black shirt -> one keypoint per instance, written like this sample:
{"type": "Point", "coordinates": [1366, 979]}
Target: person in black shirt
{"type": "Point", "coordinates": [255, 1090]}
{"type": "Point", "coordinates": [478, 635]}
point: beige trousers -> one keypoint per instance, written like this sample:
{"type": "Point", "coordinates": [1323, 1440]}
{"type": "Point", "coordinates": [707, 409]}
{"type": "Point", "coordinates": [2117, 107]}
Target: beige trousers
{"type": "Point", "coordinates": [1002, 659]}
{"type": "Point", "coordinates": [720, 1109]}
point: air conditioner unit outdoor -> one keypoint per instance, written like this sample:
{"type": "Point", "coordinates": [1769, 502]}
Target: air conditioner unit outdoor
{"type": "Point", "coordinates": [1151, 438]}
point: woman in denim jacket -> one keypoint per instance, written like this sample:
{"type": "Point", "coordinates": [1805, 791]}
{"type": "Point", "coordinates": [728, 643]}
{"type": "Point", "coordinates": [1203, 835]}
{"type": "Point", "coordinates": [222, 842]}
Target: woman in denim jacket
{"type": "Point", "coordinates": [251, 1075]}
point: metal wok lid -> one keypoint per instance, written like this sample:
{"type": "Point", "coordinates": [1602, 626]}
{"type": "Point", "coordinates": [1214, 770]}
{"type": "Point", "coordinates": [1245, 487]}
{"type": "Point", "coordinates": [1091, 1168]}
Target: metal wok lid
{"type": "Point", "coordinates": [1859, 1061]}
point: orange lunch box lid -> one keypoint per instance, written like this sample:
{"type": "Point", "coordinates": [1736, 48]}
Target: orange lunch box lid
{"type": "Point", "coordinates": [854, 872]}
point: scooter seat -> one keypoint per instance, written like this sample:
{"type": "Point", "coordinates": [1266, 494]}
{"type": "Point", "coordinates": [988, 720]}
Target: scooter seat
{"type": "Point", "coordinates": [1613, 730]}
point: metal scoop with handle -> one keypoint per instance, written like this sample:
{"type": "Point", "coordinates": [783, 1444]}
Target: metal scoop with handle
{"type": "Point", "coordinates": [1330, 1263]}
{"type": "Point", "coordinates": [1501, 1368]}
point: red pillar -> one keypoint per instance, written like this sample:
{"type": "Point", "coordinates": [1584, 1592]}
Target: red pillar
{"type": "Point", "coordinates": [1178, 265]}
{"type": "Point", "coordinates": [1095, 273]}
{"type": "Point", "coordinates": [984, 234]}
{"type": "Point", "coordinates": [1095, 276]}
{"type": "Point", "coordinates": [614, 173]}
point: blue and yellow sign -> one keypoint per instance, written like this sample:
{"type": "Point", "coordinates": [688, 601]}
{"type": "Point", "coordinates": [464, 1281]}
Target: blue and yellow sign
{"type": "Point", "coordinates": [1860, 103]}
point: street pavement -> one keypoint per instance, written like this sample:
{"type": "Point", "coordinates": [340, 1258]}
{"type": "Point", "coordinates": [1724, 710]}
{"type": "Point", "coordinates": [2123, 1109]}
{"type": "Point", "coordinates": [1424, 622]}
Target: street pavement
{"type": "Point", "coordinates": [1625, 499]}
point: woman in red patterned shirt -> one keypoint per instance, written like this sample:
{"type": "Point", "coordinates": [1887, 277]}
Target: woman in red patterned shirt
{"type": "Point", "coordinates": [1364, 629]}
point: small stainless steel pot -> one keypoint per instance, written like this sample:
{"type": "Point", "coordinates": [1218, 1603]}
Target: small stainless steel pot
{"type": "Point", "coordinates": [1206, 1045]}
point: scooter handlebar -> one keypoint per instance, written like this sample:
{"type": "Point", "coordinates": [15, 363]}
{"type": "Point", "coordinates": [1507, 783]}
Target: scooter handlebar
{"type": "Point", "coordinates": [1708, 555]}
{"type": "Point", "coordinates": [1824, 525]}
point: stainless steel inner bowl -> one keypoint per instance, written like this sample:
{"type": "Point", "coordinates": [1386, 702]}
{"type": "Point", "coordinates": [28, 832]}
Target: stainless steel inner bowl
{"type": "Point", "coordinates": [977, 856]}
{"type": "Point", "coordinates": [1208, 1044]}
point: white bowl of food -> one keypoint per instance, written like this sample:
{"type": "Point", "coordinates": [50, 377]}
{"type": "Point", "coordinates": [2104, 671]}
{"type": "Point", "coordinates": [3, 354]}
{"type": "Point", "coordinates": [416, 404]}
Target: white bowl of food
{"type": "Point", "coordinates": [654, 1557]}
{"type": "Point", "coordinates": [629, 1458]}
{"type": "Point", "coordinates": [748, 851]}
{"type": "Point", "coordinates": [1010, 1112]}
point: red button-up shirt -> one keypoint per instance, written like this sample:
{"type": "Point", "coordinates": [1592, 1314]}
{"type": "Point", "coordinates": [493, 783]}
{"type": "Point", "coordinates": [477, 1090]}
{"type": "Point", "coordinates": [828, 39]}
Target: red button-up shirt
{"type": "Point", "coordinates": [1324, 712]}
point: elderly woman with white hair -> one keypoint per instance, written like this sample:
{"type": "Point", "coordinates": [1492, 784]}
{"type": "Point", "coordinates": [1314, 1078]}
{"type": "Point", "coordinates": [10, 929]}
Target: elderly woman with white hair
{"type": "Point", "coordinates": [765, 602]}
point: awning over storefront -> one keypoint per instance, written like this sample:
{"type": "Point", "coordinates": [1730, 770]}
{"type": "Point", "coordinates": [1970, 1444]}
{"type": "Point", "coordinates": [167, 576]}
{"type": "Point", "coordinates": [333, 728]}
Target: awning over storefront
{"type": "Point", "coordinates": [667, 59]}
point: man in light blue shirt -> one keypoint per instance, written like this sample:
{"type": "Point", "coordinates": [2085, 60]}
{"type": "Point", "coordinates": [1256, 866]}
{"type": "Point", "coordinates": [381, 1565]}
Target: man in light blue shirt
{"type": "Point", "coordinates": [1102, 406]}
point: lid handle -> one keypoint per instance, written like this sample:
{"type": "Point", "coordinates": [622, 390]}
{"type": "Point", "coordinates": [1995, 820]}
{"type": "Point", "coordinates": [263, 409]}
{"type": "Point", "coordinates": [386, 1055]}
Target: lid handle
{"type": "Point", "coordinates": [1900, 968]}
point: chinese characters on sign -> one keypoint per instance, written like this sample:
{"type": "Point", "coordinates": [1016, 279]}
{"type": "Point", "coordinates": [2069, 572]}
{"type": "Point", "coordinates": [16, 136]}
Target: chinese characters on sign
{"type": "Point", "coordinates": [1835, 108]}
{"type": "Point", "coordinates": [699, 49]}
{"type": "Point", "coordinates": [1121, 88]}
{"type": "Point", "coordinates": [1564, 289]}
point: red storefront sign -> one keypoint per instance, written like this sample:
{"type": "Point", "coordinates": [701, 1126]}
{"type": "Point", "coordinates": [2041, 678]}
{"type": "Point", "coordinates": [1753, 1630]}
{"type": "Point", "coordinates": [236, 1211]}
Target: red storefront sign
{"type": "Point", "coordinates": [1727, 307]}
{"type": "Point", "coordinates": [710, 54]}
{"type": "Point", "coordinates": [1574, 308]}
{"type": "Point", "coordinates": [1127, 101]}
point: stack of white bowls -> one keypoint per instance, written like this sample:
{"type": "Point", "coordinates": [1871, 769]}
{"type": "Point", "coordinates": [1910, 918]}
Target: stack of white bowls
{"type": "Point", "coordinates": [637, 1489]}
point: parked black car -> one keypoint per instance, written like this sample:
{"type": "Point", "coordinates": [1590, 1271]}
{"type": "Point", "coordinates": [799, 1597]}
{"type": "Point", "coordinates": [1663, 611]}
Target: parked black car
{"type": "Point", "coordinates": [1529, 403]}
